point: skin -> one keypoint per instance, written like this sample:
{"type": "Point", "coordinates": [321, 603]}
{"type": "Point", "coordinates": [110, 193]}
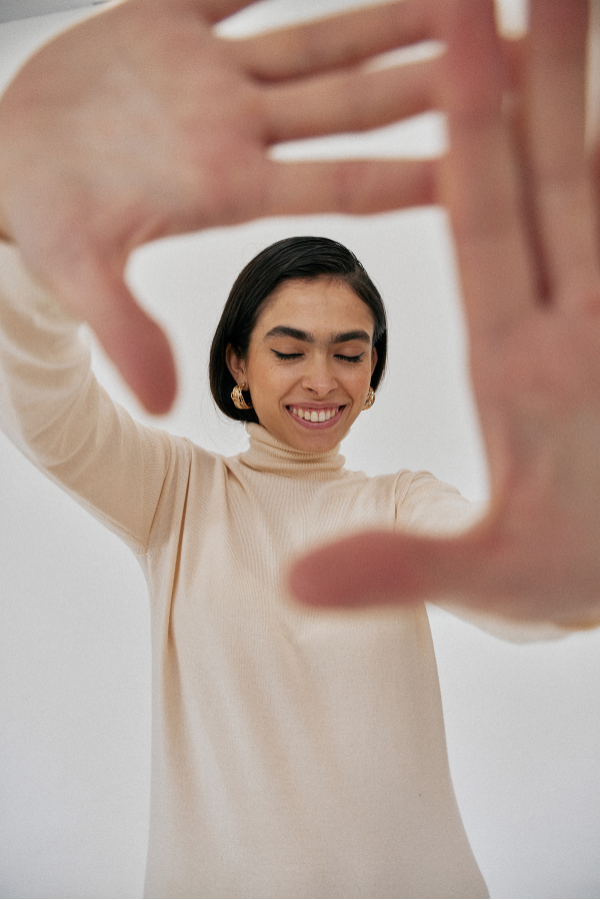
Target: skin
{"type": "Point", "coordinates": [89, 132]}
{"type": "Point", "coordinates": [520, 186]}
{"type": "Point", "coordinates": [141, 122]}
{"type": "Point", "coordinates": [311, 350]}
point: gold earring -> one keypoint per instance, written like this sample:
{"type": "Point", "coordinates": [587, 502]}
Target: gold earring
{"type": "Point", "coordinates": [238, 398]}
{"type": "Point", "coordinates": [370, 399]}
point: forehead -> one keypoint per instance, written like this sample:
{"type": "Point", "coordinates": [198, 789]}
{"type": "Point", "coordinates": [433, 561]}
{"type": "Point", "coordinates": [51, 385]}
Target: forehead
{"type": "Point", "coordinates": [318, 305]}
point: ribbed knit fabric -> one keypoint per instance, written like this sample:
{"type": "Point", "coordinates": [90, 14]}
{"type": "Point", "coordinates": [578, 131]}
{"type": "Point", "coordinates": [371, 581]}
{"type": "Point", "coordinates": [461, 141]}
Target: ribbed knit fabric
{"type": "Point", "coordinates": [295, 753]}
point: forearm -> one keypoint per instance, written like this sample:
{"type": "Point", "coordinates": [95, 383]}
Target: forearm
{"type": "Point", "coordinates": [43, 360]}
{"type": "Point", "coordinates": [52, 407]}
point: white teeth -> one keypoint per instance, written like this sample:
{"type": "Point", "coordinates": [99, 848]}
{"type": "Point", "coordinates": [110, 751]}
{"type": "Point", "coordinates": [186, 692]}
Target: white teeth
{"type": "Point", "coordinates": [323, 415]}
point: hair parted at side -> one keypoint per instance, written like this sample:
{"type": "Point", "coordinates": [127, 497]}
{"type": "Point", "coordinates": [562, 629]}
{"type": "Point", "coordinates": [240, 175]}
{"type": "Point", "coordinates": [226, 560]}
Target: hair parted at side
{"type": "Point", "coordinates": [296, 257]}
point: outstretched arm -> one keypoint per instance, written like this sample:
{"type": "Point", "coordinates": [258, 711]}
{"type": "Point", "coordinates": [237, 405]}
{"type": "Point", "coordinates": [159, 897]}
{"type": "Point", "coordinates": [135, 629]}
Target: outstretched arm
{"type": "Point", "coordinates": [520, 186]}
{"type": "Point", "coordinates": [141, 122]}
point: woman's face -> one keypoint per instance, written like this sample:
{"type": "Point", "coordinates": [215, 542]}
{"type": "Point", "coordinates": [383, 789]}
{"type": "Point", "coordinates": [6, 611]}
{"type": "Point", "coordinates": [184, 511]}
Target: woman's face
{"type": "Point", "coordinates": [309, 362]}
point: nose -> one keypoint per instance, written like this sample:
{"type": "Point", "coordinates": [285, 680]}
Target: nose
{"type": "Point", "coordinates": [318, 377]}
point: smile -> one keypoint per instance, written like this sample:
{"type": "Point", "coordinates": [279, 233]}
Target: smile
{"type": "Point", "coordinates": [315, 415]}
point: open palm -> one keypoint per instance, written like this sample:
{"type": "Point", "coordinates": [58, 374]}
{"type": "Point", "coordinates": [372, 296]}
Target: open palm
{"type": "Point", "coordinates": [141, 122]}
{"type": "Point", "coordinates": [521, 194]}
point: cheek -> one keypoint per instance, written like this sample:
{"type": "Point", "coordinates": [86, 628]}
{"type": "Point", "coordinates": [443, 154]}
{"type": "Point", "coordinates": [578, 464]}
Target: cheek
{"type": "Point", "coordinates": [268, 381]}
{"type": "Point", "coordinates": [359, 378]}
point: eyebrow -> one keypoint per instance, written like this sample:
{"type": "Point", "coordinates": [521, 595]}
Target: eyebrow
{"type": "Point", "coordinates": [341, 337]}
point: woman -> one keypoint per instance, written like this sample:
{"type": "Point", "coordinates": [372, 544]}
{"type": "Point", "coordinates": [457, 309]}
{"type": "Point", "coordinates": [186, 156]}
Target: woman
{"type": "Point", "coordinates": [295, 752]}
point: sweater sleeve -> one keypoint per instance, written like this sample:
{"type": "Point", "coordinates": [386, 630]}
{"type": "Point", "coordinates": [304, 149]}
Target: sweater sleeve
{"type": "Point", "coordinates": [54, 410]}
{"type": "Point", "coordinates": [431, 507]}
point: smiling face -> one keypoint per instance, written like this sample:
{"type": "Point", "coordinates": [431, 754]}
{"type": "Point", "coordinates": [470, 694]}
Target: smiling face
{"type": "Point", "coordinates": [309, 362]}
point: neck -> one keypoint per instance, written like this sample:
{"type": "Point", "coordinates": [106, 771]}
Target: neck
{"type": "Point", "coordinates": [268, 454]}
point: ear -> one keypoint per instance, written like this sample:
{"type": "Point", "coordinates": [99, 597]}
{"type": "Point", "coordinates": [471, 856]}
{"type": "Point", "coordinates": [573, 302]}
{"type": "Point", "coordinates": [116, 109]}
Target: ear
{"type": "Point", "coordinates": [235, 364]}
{"type": "Point", "coordinates": [373, 359]}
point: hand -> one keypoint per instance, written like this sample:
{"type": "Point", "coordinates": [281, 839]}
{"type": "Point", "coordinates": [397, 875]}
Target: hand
{"type": "Point", "coordinates": [141, 123]}
{"type": "Point", "coordinates": [522, 195]}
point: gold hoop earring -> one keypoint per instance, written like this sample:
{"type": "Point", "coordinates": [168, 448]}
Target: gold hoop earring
{"type": "Point", "coordinates": [370, 399]}
{"type": "Point", "coordinates": [238, 398]}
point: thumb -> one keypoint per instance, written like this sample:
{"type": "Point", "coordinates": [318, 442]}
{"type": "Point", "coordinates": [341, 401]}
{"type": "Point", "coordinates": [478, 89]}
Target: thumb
{"type": "Point", "coordinates": [135, 343]}
{"type": "Point", "coordinates": [370, 568]}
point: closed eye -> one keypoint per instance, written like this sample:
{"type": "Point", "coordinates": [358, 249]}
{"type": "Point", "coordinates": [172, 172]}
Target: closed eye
{"type": "Point", "coordinates": [342, 356]}
{"type": "Point", "coordinates": [287, 355]}
{"type": "Point", "coordinates": [350, 359]}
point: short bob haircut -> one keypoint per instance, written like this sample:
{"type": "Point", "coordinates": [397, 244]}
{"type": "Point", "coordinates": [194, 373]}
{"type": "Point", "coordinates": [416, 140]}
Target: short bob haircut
{"type": "Point", "coordinates": [292, 258]}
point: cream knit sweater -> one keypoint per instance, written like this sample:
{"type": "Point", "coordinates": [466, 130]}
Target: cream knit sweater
{"type": "Point", "coordinates": [295, 753]}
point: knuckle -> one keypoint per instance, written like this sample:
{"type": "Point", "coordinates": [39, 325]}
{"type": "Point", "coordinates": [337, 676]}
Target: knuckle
{"type": "Point", "coordinates": [225, 187]}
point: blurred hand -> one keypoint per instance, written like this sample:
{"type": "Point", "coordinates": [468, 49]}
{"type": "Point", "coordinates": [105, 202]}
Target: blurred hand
{"type": "Point", "coordinates": [520, 187]}
{"type": "Point", "coordinates": [141, 122]}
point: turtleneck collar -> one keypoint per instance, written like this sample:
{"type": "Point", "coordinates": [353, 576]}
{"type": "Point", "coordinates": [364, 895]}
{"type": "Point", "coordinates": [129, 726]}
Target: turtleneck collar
{"type": "Point", "coordinates": [267, 454]}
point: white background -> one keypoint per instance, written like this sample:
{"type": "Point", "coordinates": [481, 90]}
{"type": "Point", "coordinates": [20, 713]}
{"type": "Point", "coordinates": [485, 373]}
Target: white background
{"type": "Point", "coordinates": [523, 722]}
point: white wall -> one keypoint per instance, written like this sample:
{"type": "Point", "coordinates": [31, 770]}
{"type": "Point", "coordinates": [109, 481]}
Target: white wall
{"type": "Point", "coordinates": [523, 722]}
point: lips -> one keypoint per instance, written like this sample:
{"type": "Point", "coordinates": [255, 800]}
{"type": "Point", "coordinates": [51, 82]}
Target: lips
{"type": "Point", "coordinates": [314, 415]}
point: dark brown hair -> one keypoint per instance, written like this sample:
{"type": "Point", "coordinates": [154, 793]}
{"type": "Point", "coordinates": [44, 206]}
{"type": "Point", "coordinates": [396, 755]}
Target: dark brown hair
{"type": "Point", "coordinates": [297, 257]}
